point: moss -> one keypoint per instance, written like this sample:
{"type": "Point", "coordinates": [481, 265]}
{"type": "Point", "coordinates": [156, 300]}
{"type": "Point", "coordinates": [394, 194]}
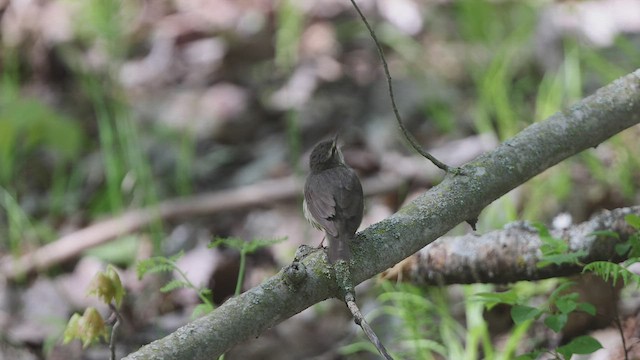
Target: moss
{"type": "Point", "coordinates": [343, 278]}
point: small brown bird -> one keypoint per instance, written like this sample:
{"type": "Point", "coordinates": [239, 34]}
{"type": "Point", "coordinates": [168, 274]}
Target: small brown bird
{"type": "Point", "coordinates": [333, 199]}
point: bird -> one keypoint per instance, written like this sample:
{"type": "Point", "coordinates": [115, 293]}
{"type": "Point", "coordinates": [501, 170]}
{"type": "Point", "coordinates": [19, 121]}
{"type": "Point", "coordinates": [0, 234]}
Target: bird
{"type": "Point", "coordinates": [333, 198]}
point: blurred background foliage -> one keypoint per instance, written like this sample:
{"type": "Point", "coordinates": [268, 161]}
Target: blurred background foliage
{"type": "Point", "coordinates": [113, 105]}
{"type": "Point", "coordinates": [80, 101]}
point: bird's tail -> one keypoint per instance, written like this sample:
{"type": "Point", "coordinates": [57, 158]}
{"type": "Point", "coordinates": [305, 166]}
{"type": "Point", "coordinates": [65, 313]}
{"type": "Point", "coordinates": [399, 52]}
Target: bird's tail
{"type": "Point", "coordinates": [338, 249]}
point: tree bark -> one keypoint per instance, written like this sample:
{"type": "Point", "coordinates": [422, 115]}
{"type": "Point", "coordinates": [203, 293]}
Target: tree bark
{"type": "Point", "coordinates": [513, 254]}
{"type": "Point", "coordinates": [459, 197]}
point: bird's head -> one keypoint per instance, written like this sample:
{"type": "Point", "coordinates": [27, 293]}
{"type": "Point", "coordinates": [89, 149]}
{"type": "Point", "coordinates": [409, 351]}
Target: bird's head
{"type": "Point", "coordinates": [326, 155]}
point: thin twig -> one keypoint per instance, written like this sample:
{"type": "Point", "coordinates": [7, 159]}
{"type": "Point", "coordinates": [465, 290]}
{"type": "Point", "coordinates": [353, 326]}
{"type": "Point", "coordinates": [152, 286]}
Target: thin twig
{"type": "Point", "coordinates": [616, 320]}
{"type": "Point", "coordinates": [114, 328]}
{"type": "Point", "coordinates": [359, 319]}
{"type": "Point", "coordinates": [404, 130]}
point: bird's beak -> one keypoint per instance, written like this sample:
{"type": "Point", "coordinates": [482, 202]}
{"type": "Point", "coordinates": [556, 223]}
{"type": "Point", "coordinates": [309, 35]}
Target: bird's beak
{"type": "Point", "coordinates": [334, 144]}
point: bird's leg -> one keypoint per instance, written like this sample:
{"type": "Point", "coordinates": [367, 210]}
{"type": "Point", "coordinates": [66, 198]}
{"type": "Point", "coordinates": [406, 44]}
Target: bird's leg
{"type": "Point", "coordinates": [322, 242]}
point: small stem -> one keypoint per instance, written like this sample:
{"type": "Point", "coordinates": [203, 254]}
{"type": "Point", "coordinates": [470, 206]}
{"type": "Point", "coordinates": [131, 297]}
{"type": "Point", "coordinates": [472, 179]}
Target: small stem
{"type": "Point", "coordinates": [616, 320]}
{"type": "Point", "coordinates": [243, 260]}
{"type": "Point", "coordinates": [183, 275]}
{"type": "Point", "coordinates": [114, 328]}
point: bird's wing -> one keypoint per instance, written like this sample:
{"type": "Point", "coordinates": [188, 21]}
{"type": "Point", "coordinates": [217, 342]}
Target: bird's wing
{"type": "Point", "coordinates": [349, 198]}
{"type": "Point", "coordinates": [325, 199]}
{"type": "Point", "coordinates": [318, 195]}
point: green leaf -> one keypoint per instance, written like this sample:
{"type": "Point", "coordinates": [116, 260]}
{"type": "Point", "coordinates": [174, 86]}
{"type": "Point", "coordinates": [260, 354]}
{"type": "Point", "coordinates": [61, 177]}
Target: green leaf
{"type": "Point", "coordinates": [257, 244]}
{"type": "Point", "coordinates": [26, 125]}
{"type": "Point", "coordinates": [88, 328]}
{"type": "Point", "coordinates": [564, 258]}
{"type": "Point", "coordinates": [607, 270]}
{"type": "Point", "coordinates": [563, 287]}
{"type": "Point", "coordinates": [72, 331]}
{"type": "Point", "coordinates": [607, 233]}
{"type": "Point", "coordinates": [581, 345]}
{"type": "Point", "coordinates": [247, 247]}
{"type": "Point", "coordinates": [551, 246]}
{"type": "Point", "coordinates": [588, 308]}
{"type": "Point", "coordinates": [37, 124]}
{"type": "Point", "coordinates": [633, 220]}
{"type": "Point", "coordinates": [634, 240]}
{"type": "Point", "coordinates": [201, 310]}
{"type": "Point", "coordinates": [543, 231]}
{"type": "Point", "coordinates": [556, 322]}
{"type": "Point", "coordinates": [493, 299]}
{"type": "Point", "coordinates": [622, 249]}
{"type": "Point", "coordinates": [174, 284]}
{"type": "Point", "coordinates": [567, 303]}
{"type": "Point", "coordinates": [120, 251]}
{"type": "Point", "coordinates": [106, 285]}
{"type": "Point", "coordinates": [232, 242]}
{"type": "Point", "coordinates": [157, 264]}
{"type": "Point", "coordinates": [8, 157]}
{"type": "Point", "coordinates": [522, 313]}
{"type": "Point", "coordinates": [631, 247]}
{"type": "Point", "coordinates": [529, 356]}
{"type": "Point", "coordinates": [555, 251]}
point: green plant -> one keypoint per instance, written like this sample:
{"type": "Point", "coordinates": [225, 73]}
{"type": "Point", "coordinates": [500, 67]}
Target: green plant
{"type": "Point", "coordinates": [418, 312]}
{"type": "Point", "coordinates": [26, 125]}
{"type": "Point", "coordinates": [168, 264]}
{"type": "Point", "coordinates": [163, 264]}
{"type": "Point", "coordinates": [555, 251]}
{"type": "Point", "coordinates": [501, 97]}
{"type": "Point", "coordinates": [18, 223]}
{"type": "Point", "coordinates": [415, 335]}
{"type": "Point", "coordinates": [555, 312]}
{"type": "Point", "coordinates": [185, 163]}
{"type": "Point", "coordinates": [421, 325]}
{"type": "Point", "coordinates": [581, 345]}
{"type": "Point", "coordinates": [631, 248]}
{"type": "Point", "coordinates": [129, 179]}
{"type": "Point", "coordinates": [562, 302]}
{"type": "Point", "coordinates": [290, 20]}
{"type": "Point", "coordinates": [91, 326]}
{"type": "Point", "coordinates": [245, 248]}
{"type": "Point", "coordinates": [160, 264]}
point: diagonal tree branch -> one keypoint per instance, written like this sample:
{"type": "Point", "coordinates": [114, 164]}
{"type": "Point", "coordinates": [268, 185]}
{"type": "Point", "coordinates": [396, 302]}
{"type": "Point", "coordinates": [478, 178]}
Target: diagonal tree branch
{"type": "Point", "coordinates": [512, 254]}
{"type": "Point", "coordinates": [459, 197]}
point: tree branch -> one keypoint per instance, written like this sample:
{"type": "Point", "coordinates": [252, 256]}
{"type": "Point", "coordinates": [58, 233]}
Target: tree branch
{"type": "Point", "coordinates": [512, 254]}
{"type": "Point", "coordinates": [459, 197]}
